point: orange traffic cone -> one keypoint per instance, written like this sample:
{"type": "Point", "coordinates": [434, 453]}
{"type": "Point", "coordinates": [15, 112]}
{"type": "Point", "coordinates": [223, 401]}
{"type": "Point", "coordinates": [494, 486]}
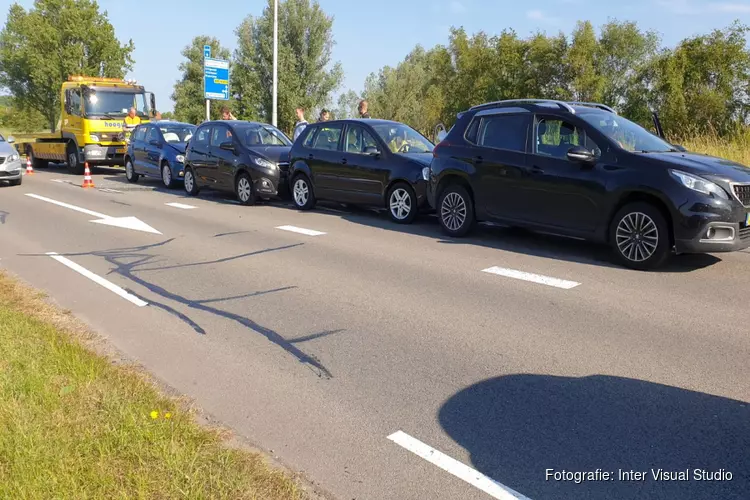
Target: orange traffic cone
{"type": "Point", "coordinates": [29, 168]}
{"type": "Point", "coordinates": [87, 181]}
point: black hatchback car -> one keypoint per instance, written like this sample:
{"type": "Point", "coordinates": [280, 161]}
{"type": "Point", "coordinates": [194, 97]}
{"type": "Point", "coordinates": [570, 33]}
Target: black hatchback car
{"type": "Point", "coordinates": [248, 158]}
{"type": "Point", "coordinates": [579, 169]}
{"type": "Point", "coordinates": [363, 162]}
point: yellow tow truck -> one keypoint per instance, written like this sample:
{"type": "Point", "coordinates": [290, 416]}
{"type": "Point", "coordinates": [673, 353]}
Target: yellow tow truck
{"type": "Point", "coordinates": [92, 126]}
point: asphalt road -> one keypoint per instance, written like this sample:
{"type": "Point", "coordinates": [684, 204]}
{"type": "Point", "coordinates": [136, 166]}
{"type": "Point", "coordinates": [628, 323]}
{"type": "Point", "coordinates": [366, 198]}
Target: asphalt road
{"type": "Point", "coordinates": [319, 347]}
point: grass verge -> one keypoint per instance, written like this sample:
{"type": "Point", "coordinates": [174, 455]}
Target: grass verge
{"type": "Point", "coordinates": [735, 149]}
{"type": "Point", "coordinates": [74, 425]}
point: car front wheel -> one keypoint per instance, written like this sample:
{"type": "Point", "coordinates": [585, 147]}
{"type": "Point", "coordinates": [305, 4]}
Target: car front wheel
{"type": "Point", "coordinates": [244, 190]}
{"type": "Point", "coordinates": [402, 203]}
{"type": "Point", "coordinates": [639, 235]}
{"type": "Point", "coordinates": [130, 174]}
{"type": "Point", "coordinates": [455, 211]}
{"type": "Point", "coordinates": [166, 175]}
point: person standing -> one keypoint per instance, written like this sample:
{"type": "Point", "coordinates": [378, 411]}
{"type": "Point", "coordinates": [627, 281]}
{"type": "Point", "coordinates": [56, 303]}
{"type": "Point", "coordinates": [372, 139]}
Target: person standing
{"type": "Point", "coordinates": [324, 115]}
{"type": "Point", "coordinates": [301, 123]}
{"type": "Point", "coordinates": [226, 114]}
{"type": "Point", "coordinates": [132, 119]}
{"type": "Point", "coordinates": [363, 109]}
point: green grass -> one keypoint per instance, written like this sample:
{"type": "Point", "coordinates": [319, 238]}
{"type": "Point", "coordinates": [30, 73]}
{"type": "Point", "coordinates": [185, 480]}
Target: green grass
{"type": "Point", "coordinates": [74, 425]}
{"type": "Point", "coordinates": [735, 149]}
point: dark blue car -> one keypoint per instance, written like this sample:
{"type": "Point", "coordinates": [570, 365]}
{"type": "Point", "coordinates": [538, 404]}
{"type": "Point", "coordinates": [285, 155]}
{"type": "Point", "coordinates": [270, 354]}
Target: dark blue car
{"type": "Point", "coordinates": [157, 149]}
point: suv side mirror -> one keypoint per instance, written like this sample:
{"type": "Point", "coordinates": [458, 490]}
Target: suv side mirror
{"type": "Point", "coordinates": [680, 148]}
{"type": "Point", "coordinates": [10, 139]}
{"type": "Point", "coordinates": [372, 151]}
{"type": "Point", "coordinates": [579, 154]}
{"type": "Point", "coordinates": [228, 146]}
{"type": "Point", "coordinates": [67, 102]}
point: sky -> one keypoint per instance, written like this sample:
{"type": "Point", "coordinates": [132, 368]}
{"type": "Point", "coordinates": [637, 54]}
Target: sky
{"type": "Point", "coordinates": [370, 35]}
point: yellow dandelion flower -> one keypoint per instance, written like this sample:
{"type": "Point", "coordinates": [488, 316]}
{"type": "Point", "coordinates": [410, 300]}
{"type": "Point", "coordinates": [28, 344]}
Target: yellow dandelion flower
{"type": "Point", "coordinates": [154, 414]}
{"type": "Point", "coordinates": [167, 415]}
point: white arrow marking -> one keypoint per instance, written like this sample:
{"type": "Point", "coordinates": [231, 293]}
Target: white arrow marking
{"type": "Point", "coordinates": [124, 222]}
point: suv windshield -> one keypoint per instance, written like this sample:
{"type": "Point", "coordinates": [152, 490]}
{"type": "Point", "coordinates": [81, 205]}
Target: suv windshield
{"type": "Point", "coordinates": [114, 104]}
{"type": "Point", "coordinates": [174, 134]}
{"type": "Point", "coordinates": [401, 138]}
{"type": "Point", "coordinates": [255, 134]}
{"type": "Point", "coordinates": [628, 135]}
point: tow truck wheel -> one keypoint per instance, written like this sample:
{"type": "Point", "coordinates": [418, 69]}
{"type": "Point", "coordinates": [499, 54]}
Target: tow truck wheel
{"type": "Point", "coordinates": [74, 165]}
{"type": "Point", "coordinates": [35, 162]}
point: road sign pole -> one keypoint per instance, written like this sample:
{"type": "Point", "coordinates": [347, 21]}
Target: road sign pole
{"type": "Point", "coordinates": [206, 55]}
{"type": "Point", "coordinates": [208, 110]}
{"type": "Point", "coordinates": [275, 60]}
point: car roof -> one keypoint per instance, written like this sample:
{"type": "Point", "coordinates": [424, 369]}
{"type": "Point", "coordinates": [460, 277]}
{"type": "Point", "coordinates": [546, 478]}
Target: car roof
{"type": "Point", "coordinates": [169, 122]}
{"type": "Point", "coordinates": [359, 120]}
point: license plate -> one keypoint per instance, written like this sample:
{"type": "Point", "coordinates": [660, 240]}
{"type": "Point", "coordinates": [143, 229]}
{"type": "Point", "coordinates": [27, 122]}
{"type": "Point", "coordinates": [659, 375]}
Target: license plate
{"type": "Point", "coordinates": [121, 150]}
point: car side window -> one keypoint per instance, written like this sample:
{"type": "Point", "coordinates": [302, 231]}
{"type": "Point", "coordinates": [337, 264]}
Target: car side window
{"type": "Point", "coordinates": [152, 134]}
{"type": "Point", "coordinates": [358, 139]}
{"type": "Point", "coordinates": [75, 102]}
{"type": "Point", "coordinates": [201, 137]}
{"type": "Point", "coordinates": [220, 134]}
{"type": "Point", "coordinates": [328, 137]}
{"type": "Point", "coordinates": [554, 137]}
{"type": "Point", "coordinates": [139, 134]}
{"type": "Point", "coordinates": [310, 131]}
{"type": "Point", "coordinates": [504, 131]}
{"type": "Point", "coordinates": [471, 132]}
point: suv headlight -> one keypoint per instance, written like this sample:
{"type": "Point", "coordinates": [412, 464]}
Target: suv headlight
{"type": "Point", "coordinates": [13, 157]}
{"type": "Point", "coordinates": [94, 137]}
{"type": "Point", "coordinates": [263, 163]}
{"type": "Point", "coordinates": [699, 184]}
{"type": "Point", "coordinates": [180, 158]}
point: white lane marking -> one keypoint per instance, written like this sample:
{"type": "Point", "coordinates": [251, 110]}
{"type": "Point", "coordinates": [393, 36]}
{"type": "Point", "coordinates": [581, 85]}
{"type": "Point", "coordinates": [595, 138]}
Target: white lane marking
{"type": "Point", "coordinates": [534, 278]}
{"type": "Point", "coordinates": [98, 279]}
{"type": "Point", "coordinates": [301, 230]}
{"type": "Point", "coordinates": [458, 469]}
{"type": "Point", "coordinates": [180, 205]}
{"type": "Point", "coordinates": [124, 222]}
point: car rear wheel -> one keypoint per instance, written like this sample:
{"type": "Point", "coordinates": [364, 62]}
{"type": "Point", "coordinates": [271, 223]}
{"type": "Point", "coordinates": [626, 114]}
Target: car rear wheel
{"type": "Point", "coordinates": [130, 174]}
{"type": "Point", "coordinates": [302, 193]}
{"type": "Point", "coordinates": [191, 185]}
{"type": "Point", "coordinates": [402, 203]}
{"type": "Point", "coordinates": [639, 235]}
{"type": "Point", "coordinates": [166, 175]}
{"type": "Point", "coordinates": [455, 210]}
{"type": "Point", "coordinates": [244, 190]}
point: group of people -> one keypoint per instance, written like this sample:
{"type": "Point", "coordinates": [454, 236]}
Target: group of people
{"type": "Point", "coordinates": [325, 115]}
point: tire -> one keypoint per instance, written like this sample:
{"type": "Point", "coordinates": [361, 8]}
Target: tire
{"type": "Point", "coordinates": [639, 236]}
{"type": "Point", "coordinates": [191, 183]}
{"type": "Point", "coordinates": [130, 174]}
{"type": "Point", "coordinates": [35, 162]}
{"type": "Point", "coordinates": [16, 182]}
{"type": "Point", "coordinates": [73, 161]}
{"type": "Point", "coordinates": [455, 211]}
{"type": "Point", "coordinates": [243, 188]}
{"type": "Point", "coordinates": [166, 175]}
{"type": "Point", "coordinates": [303, 196]}
{"type": "Point", "coordinates": [401, 203]}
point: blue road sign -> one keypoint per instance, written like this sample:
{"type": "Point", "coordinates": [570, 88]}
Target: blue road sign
{"type": "Point", "coordinates": [206, 51]}
{"type": "Point", "coordinates": [216, 79]}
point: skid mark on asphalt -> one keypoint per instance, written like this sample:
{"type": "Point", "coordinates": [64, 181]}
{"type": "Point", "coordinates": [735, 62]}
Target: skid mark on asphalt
{"type": "Point", "coordinates": [128, 263]}
{"type": "Point", "coordinates": [301, 230]}
{"type": "Point", "coordinates": [534, 278]}
{"type": "Point", "coordinates": [456, 468]}
{"type": "Point", "coordinates": [98, 279]}
{"type": "Point", "coordinates": [230, 233]}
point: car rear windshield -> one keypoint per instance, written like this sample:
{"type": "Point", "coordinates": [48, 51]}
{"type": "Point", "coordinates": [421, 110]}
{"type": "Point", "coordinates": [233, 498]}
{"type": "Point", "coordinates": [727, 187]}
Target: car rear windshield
{"type": "Point", "coordinates": [628, 135]}
{"type": "Point", "coordinates": [254, 135]}
{"type": "Point", "coordinates": [401, 138]}
{"type": "Point", "coordinates": [177, 134]}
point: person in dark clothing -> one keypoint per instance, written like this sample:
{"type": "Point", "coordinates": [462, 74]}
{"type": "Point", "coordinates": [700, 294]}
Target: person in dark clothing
{"type": "Point", "coordinates": [363, 109]}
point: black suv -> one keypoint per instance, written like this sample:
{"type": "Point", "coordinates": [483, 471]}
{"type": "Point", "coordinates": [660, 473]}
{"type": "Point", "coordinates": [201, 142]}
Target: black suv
{"type": "Point", "coordinates": [248, 158]}
{"type": "Point", "coordinates": [579, 169]}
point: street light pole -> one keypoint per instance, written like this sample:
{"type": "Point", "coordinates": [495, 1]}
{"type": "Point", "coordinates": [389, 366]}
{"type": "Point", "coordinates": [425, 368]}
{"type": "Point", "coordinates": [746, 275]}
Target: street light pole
{"type": "Point", "coordinates": [275, 60]}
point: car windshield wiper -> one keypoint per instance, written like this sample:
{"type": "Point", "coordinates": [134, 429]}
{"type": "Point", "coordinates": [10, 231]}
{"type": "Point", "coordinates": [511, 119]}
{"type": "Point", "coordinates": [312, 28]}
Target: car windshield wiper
{"type": "Point", "coordinates": [106, 115]}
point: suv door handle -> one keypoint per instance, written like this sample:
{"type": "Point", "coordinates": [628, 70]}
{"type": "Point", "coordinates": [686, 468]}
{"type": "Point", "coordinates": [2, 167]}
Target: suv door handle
{"type": "Point", "coordinates": [536, 170]}
{"type": "Point", "coordinates": [478, 159]}
{"type": "Point", "coordinates": [343, 161]}
{"type": "Point", "coordinates": [310, 157]}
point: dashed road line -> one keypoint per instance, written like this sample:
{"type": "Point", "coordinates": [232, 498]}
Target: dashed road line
{"type": "Point", "coordinates": [534, 278]}
{"type": "Point", "coordinates": [180, 205]}
{"type": "Point", "coordinates": [458, 469]}
{"type": "Point", "coordinates": [98, 279]}
{"type": "Point", "coordinates": [301, 230]}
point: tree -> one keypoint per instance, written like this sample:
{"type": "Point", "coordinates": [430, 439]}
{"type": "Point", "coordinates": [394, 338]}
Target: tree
{"type": "Point", "coordinates": [188, 96]}
{"type": "Point", "coordinates": [19, 119]}
{"type": "Point", "coordinates": [168, 115]}
{"type": "Point", "coordinates": [347, 106]}
{"type": "Point", "coordinates": [40, 48]}
{"type": "Point", "coordinates": [246, 86]}
{"type": "Point", "coordinates": [306, 76]}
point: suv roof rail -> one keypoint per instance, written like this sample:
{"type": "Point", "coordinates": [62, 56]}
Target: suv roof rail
{"type": "Point", "coordinates": [594, 105]}
{"type": "Point", "coordinates": [510, 102]}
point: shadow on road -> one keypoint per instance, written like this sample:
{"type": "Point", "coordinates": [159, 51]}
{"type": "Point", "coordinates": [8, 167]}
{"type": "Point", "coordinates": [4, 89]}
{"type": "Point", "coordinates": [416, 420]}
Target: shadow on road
{"type": "Point", "coordinates": [131, 262]}
{"type": "Point", "coordinates": [515, 427]}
